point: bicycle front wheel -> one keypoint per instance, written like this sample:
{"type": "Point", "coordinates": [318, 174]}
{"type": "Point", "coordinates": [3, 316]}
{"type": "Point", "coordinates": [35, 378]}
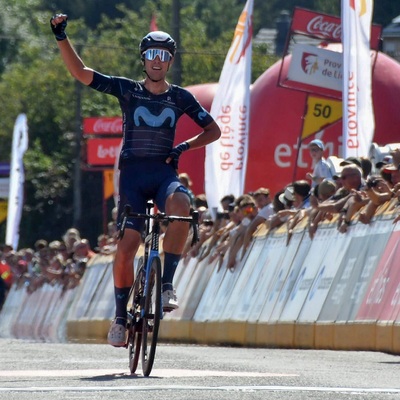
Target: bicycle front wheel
{"type": "Point", "coordinates": [152, 315]}
{"type": "Point", "coordinates": [135, 323]}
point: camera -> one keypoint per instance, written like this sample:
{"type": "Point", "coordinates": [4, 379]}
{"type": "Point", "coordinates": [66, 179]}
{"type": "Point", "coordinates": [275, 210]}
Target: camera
{"type": "Point", "coordinates": [222, 215]}
{"type": "Point", "coordinates": [371, 183]}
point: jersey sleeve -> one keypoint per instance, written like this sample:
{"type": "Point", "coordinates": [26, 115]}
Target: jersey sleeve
{"type": "Point", "coordinates": [113, 85]}
{"type": "Point", "coordinates": [195, 110]}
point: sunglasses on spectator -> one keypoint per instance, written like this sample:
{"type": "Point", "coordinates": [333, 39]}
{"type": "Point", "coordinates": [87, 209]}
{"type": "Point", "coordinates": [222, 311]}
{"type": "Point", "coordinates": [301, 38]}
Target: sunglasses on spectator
{"type": "Point", "coordinates": [163, 55]}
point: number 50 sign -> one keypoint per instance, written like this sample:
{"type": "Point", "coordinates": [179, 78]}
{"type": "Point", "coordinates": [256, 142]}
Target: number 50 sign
{"type": "Point", "coordinates": [320, 113]}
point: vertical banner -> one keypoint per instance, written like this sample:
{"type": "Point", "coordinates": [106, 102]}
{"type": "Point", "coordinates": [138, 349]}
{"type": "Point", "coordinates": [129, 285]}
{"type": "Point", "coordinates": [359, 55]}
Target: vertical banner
{"type": "Point", "coordinates": [358, 113]}
{"type": "Point", "coordinates": [17, 178]}
{"type": "Point", "coordinates": [226, 159]}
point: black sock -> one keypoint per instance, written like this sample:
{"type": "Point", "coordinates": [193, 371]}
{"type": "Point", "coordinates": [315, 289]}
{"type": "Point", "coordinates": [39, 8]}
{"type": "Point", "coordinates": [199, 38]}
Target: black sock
{"type": "Point", "coordinates": [171, 261]}
{"type": "Point", "coordinates": [121, 303]}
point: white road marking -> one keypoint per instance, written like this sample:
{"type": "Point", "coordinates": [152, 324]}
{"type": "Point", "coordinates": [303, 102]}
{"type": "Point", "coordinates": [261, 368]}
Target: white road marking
{"type": "Point", "coordinates": [201, 388]}
{"type": "Point", "coordinates": [165, 373]}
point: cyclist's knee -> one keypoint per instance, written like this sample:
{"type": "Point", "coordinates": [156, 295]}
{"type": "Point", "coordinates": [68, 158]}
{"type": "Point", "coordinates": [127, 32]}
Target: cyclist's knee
{"type": "Point", "coordinates": [178, 204]}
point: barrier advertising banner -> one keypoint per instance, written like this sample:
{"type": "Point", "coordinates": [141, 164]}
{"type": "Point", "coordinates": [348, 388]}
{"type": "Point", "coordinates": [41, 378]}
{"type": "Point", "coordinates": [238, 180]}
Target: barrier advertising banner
{"type": "Point", "coordinates": [269, 264]}
{"type": "Point", "coordinates": [355, 271]}
{"type": "Point", "coordinates": [286, 281]}
{"type": "Point", "coordinates": [279, 275]}
{"type": "Point", "coordinates": [381, 301]}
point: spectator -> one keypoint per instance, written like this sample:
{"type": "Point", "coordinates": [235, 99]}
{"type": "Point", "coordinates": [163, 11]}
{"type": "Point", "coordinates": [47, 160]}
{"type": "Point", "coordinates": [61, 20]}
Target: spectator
{"type": "Point", "coordinates": [226, 201]}
{"type": "Point", "coordinates": [200, 201]}
{"type": "Point", "coordinates": [322, 192]}
{"type": "Point", "coordinates": [221, 239]}
{"type": "Point", "coordinates": [248, 210]}
{"type": "Point", "coordinates": [301, 205]}
{"type": "Point", "coordinates": [362, 162]}
{"type": "Point", "coordinates": [321, 167]}
{"type": "Point", "coordinates": [82, 251]}
{"type": "Point", "coordinates": [70, 237]}
{"type": "Point", "coordinates": [353, 183]}
{"type": "Point", "coordinates": [265, 210]}
{"type": "Point", "coordinates": [101, 243]}
{"type": "Point", "coordinates": [184, 178]}
{"type": "Point", "coordinates": [351, 179]}
{"type": "Point", "coordinates": [378, 192]}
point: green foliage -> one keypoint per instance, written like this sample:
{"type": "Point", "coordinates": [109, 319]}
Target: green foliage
{"type": "Point", "coordinates": [34, 80]}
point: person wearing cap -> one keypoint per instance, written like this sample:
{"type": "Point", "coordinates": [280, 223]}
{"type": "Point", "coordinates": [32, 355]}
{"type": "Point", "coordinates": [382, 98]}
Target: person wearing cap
{"type": "Point", "coordinates": [321, 167]}
{"type": "Point", "coordinates": [149, 158]}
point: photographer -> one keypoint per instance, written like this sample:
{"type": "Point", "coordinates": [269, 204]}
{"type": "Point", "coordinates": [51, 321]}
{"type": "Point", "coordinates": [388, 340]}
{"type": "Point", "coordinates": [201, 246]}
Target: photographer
{"type": "Point", "coordinates": [378, 192]}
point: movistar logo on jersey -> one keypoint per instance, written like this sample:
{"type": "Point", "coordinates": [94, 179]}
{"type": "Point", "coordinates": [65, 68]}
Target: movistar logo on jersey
{"type": "Point", "coordinates": [143, 114]}
{"type": "Point", "coordinates": [202, 114]}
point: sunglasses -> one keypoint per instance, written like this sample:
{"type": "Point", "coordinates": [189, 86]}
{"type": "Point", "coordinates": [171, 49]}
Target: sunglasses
{"type": "Point", "coordinates": [163, 55]}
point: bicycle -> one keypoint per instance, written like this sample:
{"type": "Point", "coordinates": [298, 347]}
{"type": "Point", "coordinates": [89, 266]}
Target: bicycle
{"type": "Point", "coordinates": [146, 309]}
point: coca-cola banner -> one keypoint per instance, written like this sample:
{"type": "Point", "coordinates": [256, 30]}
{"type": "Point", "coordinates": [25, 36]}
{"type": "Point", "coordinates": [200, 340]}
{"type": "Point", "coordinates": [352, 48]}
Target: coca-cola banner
{"type": "Point", "coordinates": [326, 27]}
{"type": "Point", "coordinates": [102, 126]}
{"type": "Point", "coordinates": [102, 152]}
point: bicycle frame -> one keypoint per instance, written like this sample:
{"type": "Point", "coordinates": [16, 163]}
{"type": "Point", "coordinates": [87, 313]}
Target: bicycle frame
{"type": "Point", "coordinates": [146, 318]}
{"type": "Point", "coordinates": [151, 249]}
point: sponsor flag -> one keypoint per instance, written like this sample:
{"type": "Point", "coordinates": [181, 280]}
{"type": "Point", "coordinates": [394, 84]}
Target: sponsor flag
{"type": "Point", "coordinates": [358, 113]}
{"type": "Point", "coordinates": [226, 159]}
{"type": "Point", "coordinates": [17, 179]}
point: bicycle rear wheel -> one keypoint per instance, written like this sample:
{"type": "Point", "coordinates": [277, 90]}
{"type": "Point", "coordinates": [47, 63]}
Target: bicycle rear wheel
{"type": "Point", "coordinates": [152, 315]}
{"type": "Point", "coordinates": [135, 328]}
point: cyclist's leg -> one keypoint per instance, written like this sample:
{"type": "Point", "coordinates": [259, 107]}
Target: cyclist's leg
{"type": "Point", "coordinates": [175, 237]}
{"type": "Point", "coordinates": [123, 272]}
{"type": "Point", "coordinates": [172, 198]}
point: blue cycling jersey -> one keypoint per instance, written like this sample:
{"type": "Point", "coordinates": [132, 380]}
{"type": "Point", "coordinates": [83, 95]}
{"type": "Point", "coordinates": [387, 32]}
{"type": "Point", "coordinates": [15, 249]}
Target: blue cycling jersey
{"type": "Point", "coordinates": [149, 120]}
{"type": "Point", "coordinates": [149, 123]}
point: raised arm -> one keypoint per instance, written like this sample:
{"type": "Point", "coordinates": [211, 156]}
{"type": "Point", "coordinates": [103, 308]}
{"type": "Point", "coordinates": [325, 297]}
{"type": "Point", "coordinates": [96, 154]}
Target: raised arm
{"type": "Point", "coordinates": [72, 61]}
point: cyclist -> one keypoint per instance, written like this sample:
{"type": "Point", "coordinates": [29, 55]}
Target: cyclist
{"type": "Point", "coordinates": [148, 161]}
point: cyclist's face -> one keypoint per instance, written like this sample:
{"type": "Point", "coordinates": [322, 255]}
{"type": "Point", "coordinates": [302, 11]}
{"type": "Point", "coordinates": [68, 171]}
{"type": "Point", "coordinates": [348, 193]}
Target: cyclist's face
{"type": "Point", "coordinates": [155, 67]}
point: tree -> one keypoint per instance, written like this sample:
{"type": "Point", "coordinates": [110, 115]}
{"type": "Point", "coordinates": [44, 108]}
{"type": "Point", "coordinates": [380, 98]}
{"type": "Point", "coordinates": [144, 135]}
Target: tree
{"type": "Point", "coordinates": [35, 81]}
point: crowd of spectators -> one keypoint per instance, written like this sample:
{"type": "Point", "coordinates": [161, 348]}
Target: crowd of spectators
{"type": "Point", "coordinates": [59, 262]}
{"type": "Point", "coordinates": [343, 191]}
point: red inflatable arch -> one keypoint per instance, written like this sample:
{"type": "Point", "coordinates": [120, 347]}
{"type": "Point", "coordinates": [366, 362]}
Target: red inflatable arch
{"type": "Point", "coordinates": [276, 123]}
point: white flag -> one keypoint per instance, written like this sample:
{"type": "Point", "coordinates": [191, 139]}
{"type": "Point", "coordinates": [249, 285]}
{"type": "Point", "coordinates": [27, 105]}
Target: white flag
{"type": "Point", "coordinates": [17, 179]}
{"type": "Point", "coordinates": [358, 113]}
{"type": "Point", "coordinates": [226, 159]}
